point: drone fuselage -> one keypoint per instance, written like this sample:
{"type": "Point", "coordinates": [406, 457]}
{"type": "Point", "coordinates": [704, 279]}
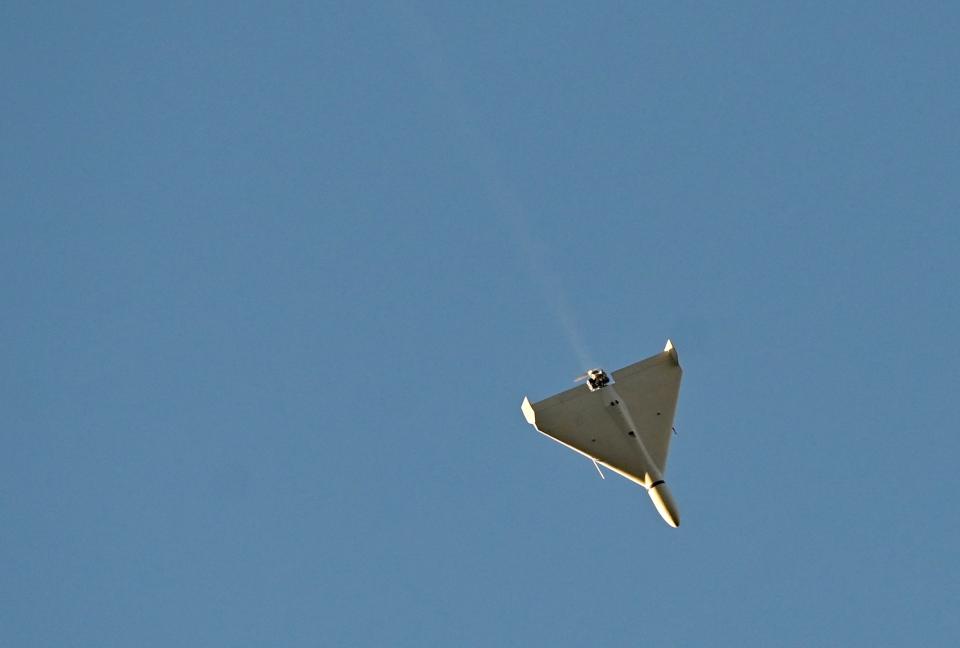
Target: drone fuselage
{"type": "Point", "coordinates": [652, 479]}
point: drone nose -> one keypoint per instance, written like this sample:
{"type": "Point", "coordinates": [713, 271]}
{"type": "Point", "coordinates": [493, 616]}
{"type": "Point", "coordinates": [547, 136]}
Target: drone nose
{"type": "Point", "coordinates": [666, 506]}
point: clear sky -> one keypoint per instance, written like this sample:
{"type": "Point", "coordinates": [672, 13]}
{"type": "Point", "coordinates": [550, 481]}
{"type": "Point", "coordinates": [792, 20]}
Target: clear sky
{"type": "Point", "coordinates": [277, 276]}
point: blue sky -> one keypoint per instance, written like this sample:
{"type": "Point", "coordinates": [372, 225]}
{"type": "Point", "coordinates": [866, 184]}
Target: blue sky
{"type": "Point", "coordinates": [278, 275]}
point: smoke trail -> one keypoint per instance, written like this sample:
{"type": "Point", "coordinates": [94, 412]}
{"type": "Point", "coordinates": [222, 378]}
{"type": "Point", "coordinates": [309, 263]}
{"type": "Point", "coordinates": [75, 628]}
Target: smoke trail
{"type": "Point", "coordinates": [527, 246]}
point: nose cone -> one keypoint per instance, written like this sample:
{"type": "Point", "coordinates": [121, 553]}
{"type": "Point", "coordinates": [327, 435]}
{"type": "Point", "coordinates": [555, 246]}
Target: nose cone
{"type": "Point", "coordinates": [666, 506]}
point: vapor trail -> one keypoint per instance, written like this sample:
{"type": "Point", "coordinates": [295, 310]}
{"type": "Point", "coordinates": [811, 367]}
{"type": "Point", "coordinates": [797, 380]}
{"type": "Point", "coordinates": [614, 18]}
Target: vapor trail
{"type": "Point", "coordinates": [527, 247]}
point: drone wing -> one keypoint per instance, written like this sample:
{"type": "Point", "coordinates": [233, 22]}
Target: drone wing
{"type": "Point", "coordinates": [650, 389]}
{"type": "Point", "coordinates": [577, 418]}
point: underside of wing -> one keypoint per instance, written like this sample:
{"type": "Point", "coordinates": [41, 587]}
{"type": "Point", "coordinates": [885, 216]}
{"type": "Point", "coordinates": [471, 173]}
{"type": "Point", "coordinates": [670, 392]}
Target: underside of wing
{"type": "Point", "coordinates": [577, 419]}
{"type": "Point", "coordinates": [650, 389]}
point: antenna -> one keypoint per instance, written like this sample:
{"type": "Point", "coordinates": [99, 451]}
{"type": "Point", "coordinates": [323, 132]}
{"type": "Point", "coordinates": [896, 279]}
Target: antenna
{"type": "Point", "coordinates": [598, 468]}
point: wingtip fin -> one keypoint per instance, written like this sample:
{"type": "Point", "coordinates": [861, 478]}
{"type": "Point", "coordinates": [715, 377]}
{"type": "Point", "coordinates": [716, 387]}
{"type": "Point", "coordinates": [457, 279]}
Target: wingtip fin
{"type": "Point", "coordinates": [528, 412]}
{"type": "Point", "coordinates": [669, 348]}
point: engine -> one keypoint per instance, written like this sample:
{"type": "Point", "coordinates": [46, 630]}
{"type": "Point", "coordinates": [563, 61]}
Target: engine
{"type": "Point", "coordinates": [597, 378]}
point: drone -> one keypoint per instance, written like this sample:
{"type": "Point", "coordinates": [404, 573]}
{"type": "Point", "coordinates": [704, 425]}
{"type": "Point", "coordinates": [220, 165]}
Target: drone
{"type": "Point", "coordinates": [622, 421]}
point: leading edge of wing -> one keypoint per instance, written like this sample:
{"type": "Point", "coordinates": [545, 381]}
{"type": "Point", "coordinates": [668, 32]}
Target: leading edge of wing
{"type": "Point", "coordinates": [620, 467]}
{"type": "Point", "coordinates": [530, 414]}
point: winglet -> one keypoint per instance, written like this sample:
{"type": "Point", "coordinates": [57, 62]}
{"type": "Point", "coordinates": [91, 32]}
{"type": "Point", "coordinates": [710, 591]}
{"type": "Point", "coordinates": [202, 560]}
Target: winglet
{"type": "Point", "coordinates": [672, 351]}
{"type": "Point", "coordinates": [528, 412]}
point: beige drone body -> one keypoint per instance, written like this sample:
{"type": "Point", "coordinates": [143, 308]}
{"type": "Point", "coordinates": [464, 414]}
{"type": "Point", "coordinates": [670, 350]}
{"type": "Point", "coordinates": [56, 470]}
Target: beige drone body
{"type": "Point", "coordinates": [624, 424]}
